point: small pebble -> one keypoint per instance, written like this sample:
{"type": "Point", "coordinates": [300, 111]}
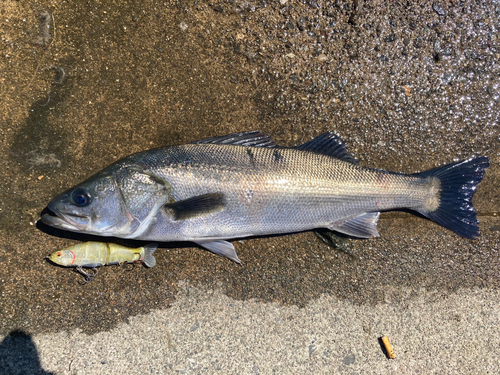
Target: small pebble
{"type": "Point", "coordinates": [322, 58]}
{"type": "Point", "coordinates": [390, 38]}
{"type": "Point", "coordinates": [439, 9]}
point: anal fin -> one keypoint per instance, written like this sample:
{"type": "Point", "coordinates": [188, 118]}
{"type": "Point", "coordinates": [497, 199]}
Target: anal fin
{"type": "Point", "coordinates": [362, 226]}
{"type": "Point", "coordinates": [220, 247]}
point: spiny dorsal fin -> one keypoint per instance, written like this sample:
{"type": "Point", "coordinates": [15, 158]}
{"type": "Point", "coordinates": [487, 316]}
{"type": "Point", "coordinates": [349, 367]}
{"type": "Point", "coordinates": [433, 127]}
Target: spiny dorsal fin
{"type": "Point", "coordinates": [328, 144]}
{"type": "Point", "coordinates": [252, 138]}
{"type": "Point", "coordinates": [362, 226]}
{"type": "Point", "coordinates": [196, 206]}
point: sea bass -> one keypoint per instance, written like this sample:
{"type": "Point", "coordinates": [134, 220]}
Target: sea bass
{"type": "Point", "coordinates": [242, 185]}
{"type": "Point", "coordinates": [97, 254]}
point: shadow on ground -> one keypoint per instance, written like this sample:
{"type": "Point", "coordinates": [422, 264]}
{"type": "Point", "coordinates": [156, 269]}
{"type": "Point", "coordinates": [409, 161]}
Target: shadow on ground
{"type": "Point", "coordinates": [18, 355]}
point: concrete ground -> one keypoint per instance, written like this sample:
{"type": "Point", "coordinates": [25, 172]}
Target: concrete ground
{"type": "Point", "coordinates": [409, 86]}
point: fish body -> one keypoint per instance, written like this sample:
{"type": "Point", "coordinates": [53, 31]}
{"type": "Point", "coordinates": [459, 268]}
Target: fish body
{"type": "Point", "coordinates": [97, 254]}
{"type": "Point", "coordinates": [243, 185]}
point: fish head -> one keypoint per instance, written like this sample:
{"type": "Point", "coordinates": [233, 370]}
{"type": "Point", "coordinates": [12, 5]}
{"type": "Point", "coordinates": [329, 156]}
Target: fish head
{"type": "Point", "coordinates": [94, 206]}
{"type": "Point", "coordinates": [120, 201]}
{"type": "Point", "coordinates": [62, 258]}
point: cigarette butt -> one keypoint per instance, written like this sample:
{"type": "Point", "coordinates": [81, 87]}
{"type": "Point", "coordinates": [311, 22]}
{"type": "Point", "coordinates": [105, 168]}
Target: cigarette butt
{"type": "Point", "coordinates": [388, 347]}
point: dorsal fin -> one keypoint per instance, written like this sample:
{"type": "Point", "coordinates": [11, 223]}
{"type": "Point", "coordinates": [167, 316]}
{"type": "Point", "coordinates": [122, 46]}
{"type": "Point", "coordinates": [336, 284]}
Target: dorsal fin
{"type": "Point", "coordinates": [329, 144]}
{"type": "Point", "coordinates": [252, 138]}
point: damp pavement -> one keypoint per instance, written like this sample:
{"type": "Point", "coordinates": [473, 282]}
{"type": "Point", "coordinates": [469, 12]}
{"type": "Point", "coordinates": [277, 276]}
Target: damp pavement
{"type": "Point", "coordinates": [407, 86]}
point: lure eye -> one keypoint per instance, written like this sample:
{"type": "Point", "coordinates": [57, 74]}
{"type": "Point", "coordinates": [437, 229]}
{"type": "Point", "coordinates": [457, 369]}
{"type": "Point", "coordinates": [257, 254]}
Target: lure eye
{"type": "Point", "coordinates": [80, 197]}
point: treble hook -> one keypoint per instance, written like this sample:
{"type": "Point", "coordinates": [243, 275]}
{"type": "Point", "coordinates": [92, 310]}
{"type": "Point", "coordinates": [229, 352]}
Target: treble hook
{"type": "Point", "coordinates": [87, 276]}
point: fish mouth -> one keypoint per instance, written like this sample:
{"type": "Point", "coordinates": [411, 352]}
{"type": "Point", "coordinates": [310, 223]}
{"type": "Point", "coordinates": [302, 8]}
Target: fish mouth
{"type": "Point", "coordinates": [64, 221]}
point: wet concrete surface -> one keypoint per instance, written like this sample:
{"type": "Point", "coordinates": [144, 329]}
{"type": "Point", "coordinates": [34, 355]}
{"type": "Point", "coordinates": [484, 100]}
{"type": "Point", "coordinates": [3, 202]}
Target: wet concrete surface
{"type": "Point", "coordinates": [407, 86]}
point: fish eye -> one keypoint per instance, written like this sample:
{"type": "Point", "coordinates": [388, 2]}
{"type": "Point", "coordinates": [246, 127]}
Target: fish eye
{"type": "Point", "coordinates": [80, 197]}
{"type": "Point", "coordinates": [58, 254]}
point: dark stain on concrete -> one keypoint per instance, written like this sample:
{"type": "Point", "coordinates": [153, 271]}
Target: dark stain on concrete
{"type": "Point", "coordinates": [38, 142]}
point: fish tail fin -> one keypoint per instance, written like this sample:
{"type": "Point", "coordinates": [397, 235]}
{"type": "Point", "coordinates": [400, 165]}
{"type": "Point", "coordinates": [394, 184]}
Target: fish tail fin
{"type": "Point", "coordinates": [457, 184]}
{"type": "Point", "coordinates": [149, 259]}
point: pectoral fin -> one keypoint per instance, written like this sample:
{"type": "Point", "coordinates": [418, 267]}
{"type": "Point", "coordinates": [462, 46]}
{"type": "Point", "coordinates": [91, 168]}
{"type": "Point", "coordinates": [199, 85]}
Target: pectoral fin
{"type": "Point", "coordinates": [196, 206]}
{"type": "Point", "coordinates": [220, 247]}
{"type": "Point", "coordinates": [362, 226]}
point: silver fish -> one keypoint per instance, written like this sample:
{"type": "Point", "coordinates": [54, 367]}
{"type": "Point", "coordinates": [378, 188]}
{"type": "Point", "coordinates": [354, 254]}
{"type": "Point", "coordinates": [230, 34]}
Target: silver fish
{"type": "Point", "coordinates": [243, 185]}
